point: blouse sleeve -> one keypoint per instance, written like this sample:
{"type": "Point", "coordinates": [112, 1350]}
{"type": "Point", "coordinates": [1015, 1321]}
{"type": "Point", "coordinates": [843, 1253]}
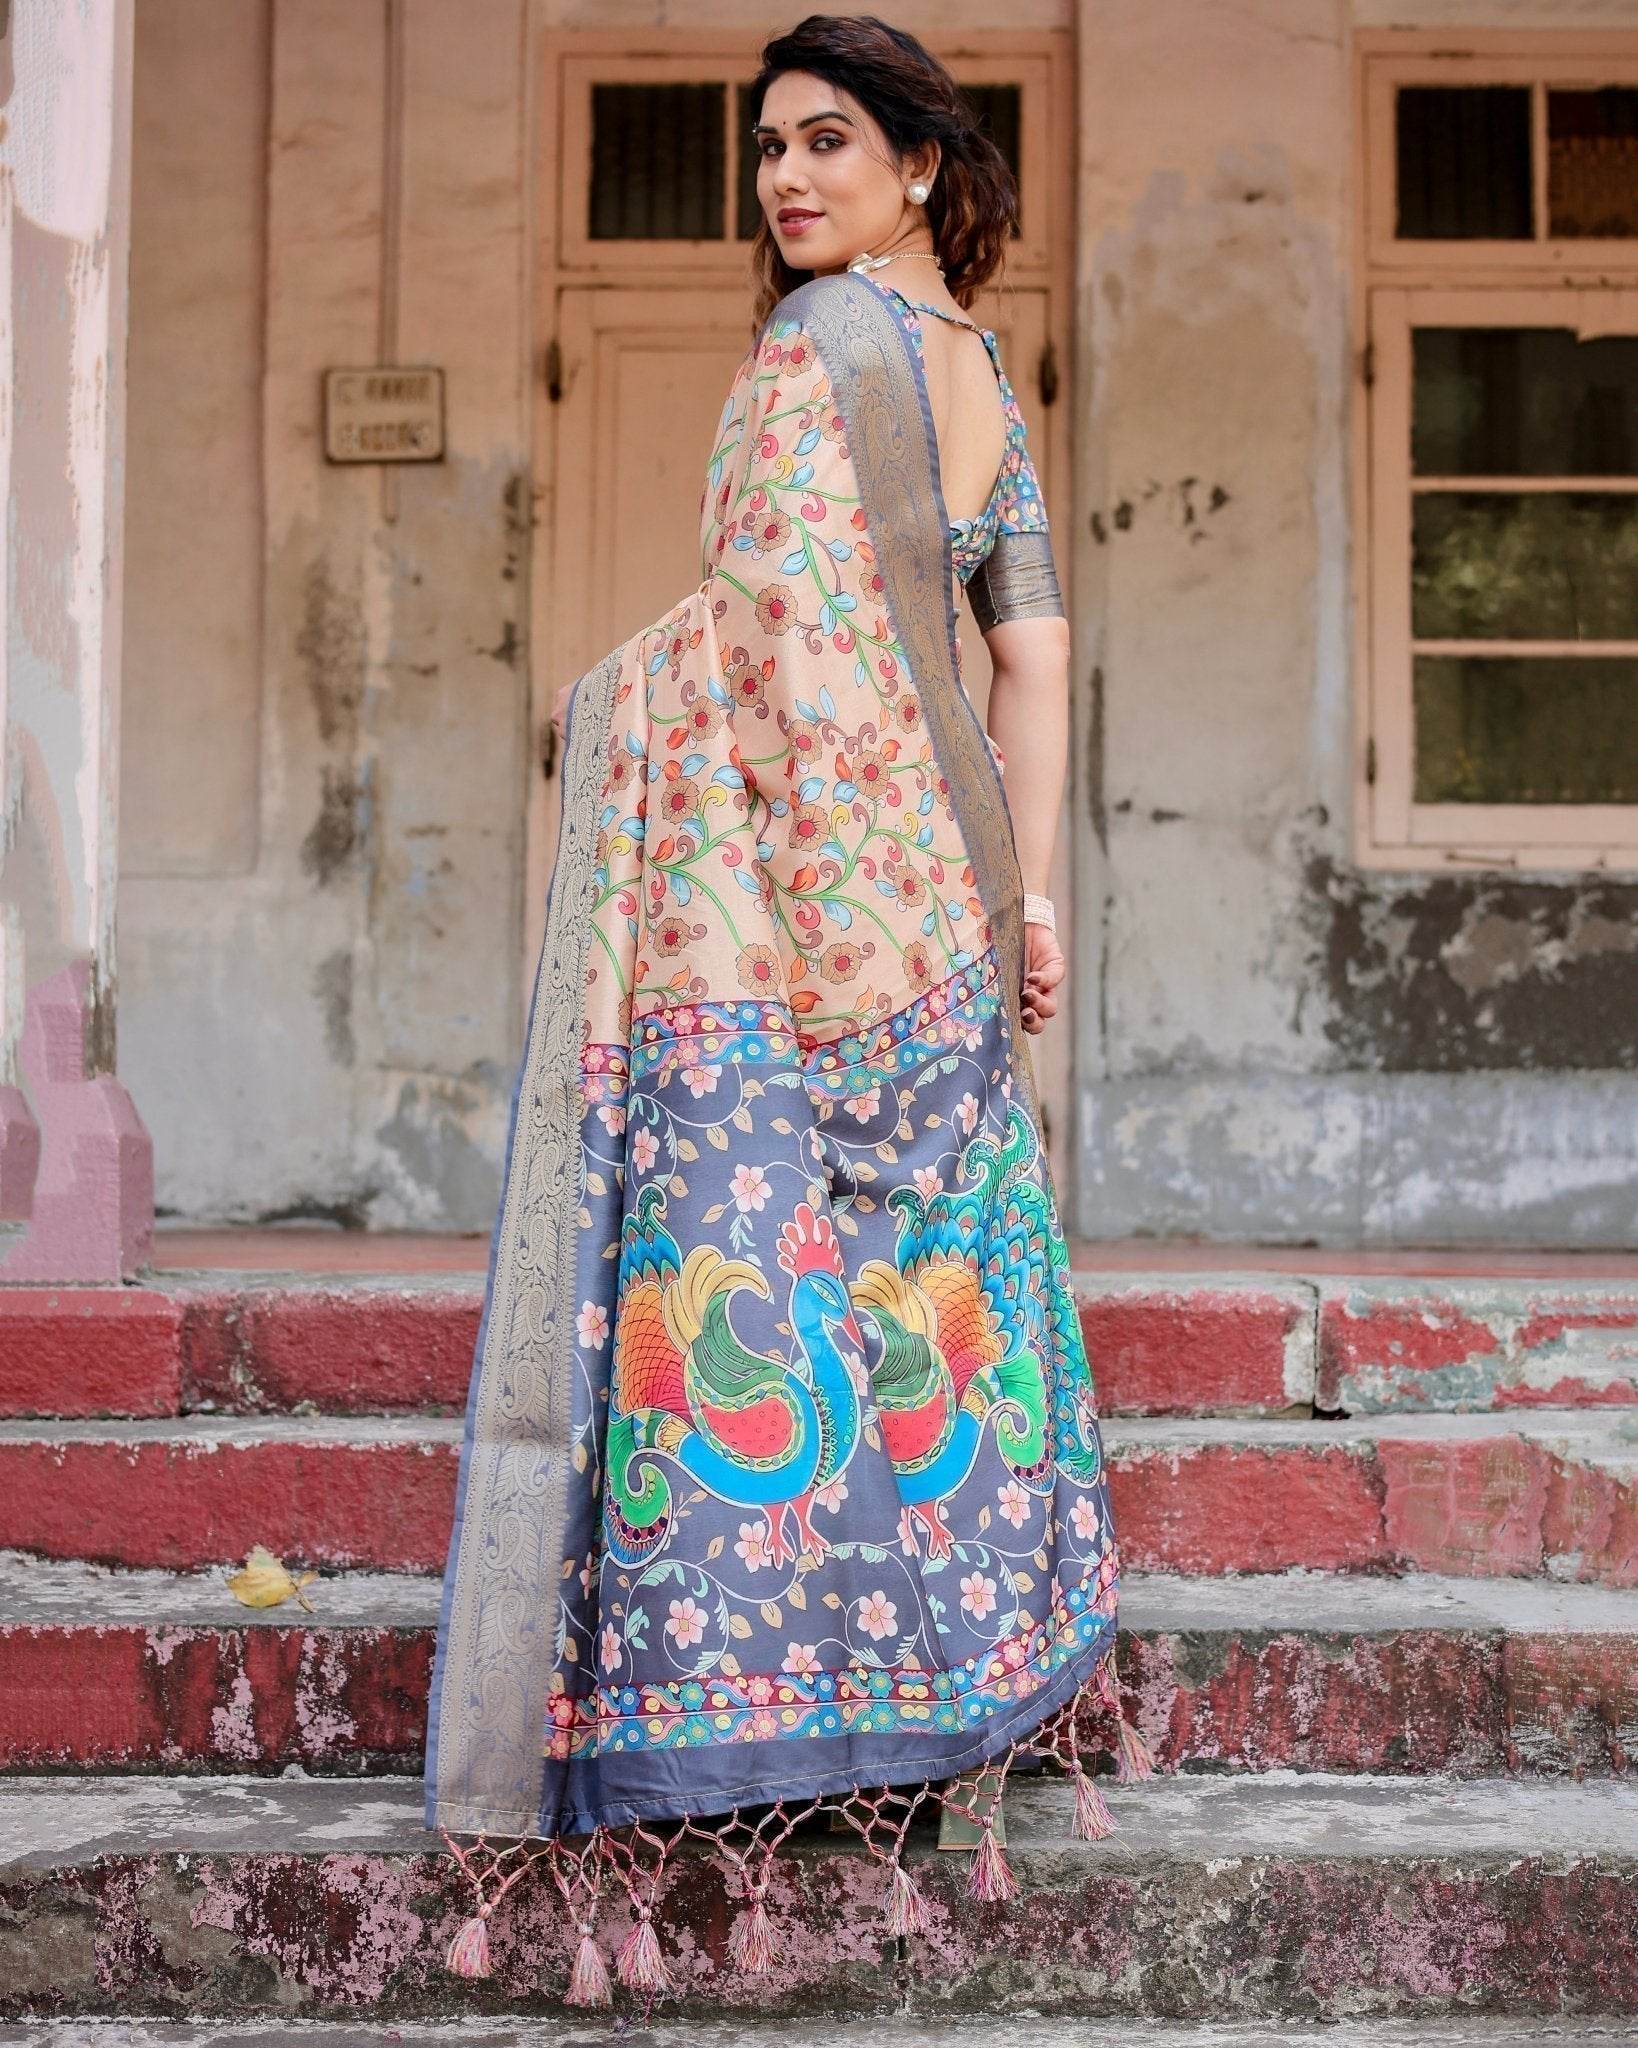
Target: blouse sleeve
{"type": "Point", "coordinates": [1018, 579]}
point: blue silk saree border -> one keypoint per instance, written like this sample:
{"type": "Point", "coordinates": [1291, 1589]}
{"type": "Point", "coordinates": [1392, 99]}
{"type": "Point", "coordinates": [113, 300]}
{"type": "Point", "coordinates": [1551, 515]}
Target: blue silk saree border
{"type": "Point", "coordinates": [669, 1784]}
{"type": "Point", "coordinates": [485, 1760]}
{"type": "Point", "coordinates": [880, 388]}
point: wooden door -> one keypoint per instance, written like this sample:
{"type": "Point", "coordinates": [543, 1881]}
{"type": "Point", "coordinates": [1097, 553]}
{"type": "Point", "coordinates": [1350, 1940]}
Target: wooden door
{"type": "Point", "coordinates": [642, 379]}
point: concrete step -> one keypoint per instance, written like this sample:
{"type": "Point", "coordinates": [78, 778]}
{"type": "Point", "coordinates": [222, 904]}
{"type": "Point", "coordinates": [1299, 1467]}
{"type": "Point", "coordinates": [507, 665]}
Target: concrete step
{"type": "Point", "coordinates": [1538, 1492]}
{"type": "Point", "coordinates": [1216, 1899]}
{"type": "Point", "coordinates": [144, 1670]}
{"type": "Point", "coordinates": [1161, 1344]}
{"type": "Point", "coordinates": [576, 2031]}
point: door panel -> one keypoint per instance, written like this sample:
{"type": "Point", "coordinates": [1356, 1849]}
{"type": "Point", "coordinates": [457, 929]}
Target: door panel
{"type": "Point", "coordinates": [644, 377]}
{"type": "Point", "coordinates": [644, 374]}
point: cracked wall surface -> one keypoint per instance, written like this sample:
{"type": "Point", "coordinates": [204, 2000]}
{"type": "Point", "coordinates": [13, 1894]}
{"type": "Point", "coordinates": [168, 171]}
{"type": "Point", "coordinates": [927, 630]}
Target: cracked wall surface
{"type": "Point", "coordinates": [1274, 1042]}
{"type": "Point", "coordinates": [322, 911]}
{"type": "Point", "coordinates": [322, 915]}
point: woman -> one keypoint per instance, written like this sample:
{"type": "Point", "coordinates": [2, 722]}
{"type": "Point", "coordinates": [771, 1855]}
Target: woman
{"type": "Point", "coordinates": [781, 1485]}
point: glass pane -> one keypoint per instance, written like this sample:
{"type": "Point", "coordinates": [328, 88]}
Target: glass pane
{"type": "Point", "coordinates": [1490, 730]}
{"type": "Point", "coordinates": [1592, 162]}
{"type": "Point", "coordinates": [747, 214]}
{"type": "Point", "coordinates": [1463, 163]}
{"type": "Point", "coordinates": [657, 163]}
{"type": "Point", "coordinates": [1545, 566]}
{"type": "Point", "coordinates": [1524, 401]}
{"type": "Point", "coordinates": [999, 110]}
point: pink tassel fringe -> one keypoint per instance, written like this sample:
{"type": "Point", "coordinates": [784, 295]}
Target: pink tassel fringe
{"type": "Point", "coordinates": [906, 1908]}
{"type": "Point", "coordinates": [1133, 1760]}
{"type": "Point", "coordinates": [750, 1945]}
{"type": "Point", "coordinates": [469, 1951]}
{"type": "Point", "coordinates": [640, 1965]}
{"type": "Point", "coordinates": [589, 1979]}
{"type": "Point", "coordinates": [1093, 1820]}
{"type": "Point", "coordinates": [991, 1878]}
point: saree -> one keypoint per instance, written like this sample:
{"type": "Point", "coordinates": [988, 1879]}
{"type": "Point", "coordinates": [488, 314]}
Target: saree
{"type": "Point", "coordinates": [781, 1482]}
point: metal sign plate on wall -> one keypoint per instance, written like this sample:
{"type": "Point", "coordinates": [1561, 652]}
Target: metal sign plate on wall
{"type": "Point", "coordinates": [384, 415]}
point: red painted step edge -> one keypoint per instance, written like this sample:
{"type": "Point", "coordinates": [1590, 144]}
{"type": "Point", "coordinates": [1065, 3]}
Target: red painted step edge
{"type": "Point", "coordinates": [1158, 1346]}
{"type": "Point", "coordinates": [1388, 1345]}
{"type": "Point", "coordinates": [1155, 1349]}
{"type": "Point", "coordinates": [1198, 1349]}
{"type": "Point", "coordinates": [1488, 1506]}
{"type": "Point", "coordinates": [81, 1351]}
{"type": "Point", "coordinates": [348, 1351]}
{"type": "Point", "coordinates": [258, 1697]}
{"type": "Point", "coordinates": [178, 1504]}
{"type": "Point", "coordinates": [138, 1351]}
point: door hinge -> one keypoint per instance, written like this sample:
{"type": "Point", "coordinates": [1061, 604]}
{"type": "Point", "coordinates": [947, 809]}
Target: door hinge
{"type": "Point", "coordinates": [1048, 377]}
{"type": "Point", "coordinates": [1367, 364]}
{"type": "Point", "coordinates": [554, 370]}
{"type": "Point", "coordinates": [1370, 763]}
{"type": "Point", "coordinates": [548, 750]}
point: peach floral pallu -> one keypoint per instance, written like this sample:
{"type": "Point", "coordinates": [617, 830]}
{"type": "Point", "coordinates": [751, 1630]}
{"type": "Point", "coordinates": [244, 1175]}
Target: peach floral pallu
{"type": "Point", "coordinates": [781, 1483]}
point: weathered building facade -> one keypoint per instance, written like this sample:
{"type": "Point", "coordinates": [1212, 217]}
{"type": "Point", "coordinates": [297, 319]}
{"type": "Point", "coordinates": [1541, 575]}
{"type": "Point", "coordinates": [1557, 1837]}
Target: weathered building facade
{"type": "Point", "coordinates": [1355, 958]}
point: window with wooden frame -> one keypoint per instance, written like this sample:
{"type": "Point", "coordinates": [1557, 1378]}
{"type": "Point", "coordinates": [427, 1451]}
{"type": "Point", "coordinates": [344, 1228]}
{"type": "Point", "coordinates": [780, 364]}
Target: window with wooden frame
{"type": "Point", "coordinates": [659, 167]}
{"type": "Point", "coordinates": [1500, 454]}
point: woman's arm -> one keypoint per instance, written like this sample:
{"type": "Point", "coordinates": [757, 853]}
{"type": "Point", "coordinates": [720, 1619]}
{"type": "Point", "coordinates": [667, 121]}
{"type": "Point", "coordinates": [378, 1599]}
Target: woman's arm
{"type": "Point", "coordinates": [1029, 722]}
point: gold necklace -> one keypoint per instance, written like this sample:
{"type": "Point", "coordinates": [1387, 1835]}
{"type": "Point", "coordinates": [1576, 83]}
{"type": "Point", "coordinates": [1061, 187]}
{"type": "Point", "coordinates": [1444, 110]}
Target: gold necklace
{"type": "Point", "coordinates": [865, 261]}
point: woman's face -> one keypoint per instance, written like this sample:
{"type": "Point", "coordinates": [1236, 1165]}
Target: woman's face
{"type": "Point", "coordinates": [827, 179]}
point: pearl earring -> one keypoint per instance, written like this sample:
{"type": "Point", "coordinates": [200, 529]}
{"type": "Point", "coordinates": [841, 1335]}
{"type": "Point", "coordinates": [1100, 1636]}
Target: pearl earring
{"type": "Point", "coordinates": [919, 192]}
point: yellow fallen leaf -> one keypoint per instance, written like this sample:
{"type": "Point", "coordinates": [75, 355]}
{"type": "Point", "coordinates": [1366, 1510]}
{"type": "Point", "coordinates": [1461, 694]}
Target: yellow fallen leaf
{"type": "Point", "coordinates": [264, 1582]}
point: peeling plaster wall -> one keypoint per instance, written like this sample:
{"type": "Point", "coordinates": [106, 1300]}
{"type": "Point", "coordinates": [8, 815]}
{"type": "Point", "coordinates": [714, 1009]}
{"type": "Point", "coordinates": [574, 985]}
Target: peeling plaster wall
{"type": "Point", "coordinates": [322, 1003]}
{"type": "Point", "coordinates": [64, 205]}
{"type": "Point", "coordinates": [321, 899]}
{"type": "Point", "coordinates": [321, 913]}
{"type": "Point", "coordinates": [1274, 1043]}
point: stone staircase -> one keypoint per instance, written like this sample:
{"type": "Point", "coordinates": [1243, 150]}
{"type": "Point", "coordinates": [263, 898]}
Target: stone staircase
{"type": "Point", "coordinates": [1380, 1628]}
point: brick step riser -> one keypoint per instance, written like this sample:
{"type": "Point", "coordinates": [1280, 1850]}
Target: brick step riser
{"type": "Point", "coordinates": [1490, 1507]}
{"type": "Point", "coordinates": [353, 1700]}
{"type": "Point", "coordinates": [1198, 1348]}
{"type": "Point", "coordinates": [346, 1935]}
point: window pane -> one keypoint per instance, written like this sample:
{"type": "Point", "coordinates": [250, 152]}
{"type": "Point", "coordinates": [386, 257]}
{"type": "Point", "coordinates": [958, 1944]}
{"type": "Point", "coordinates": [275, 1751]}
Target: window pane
{"type": "Point", "coordinates": [1592, 162]}
{"type": "Point", "coordinates": [1524, 401]}
{"type": "Point", "coordinates": [656, 163]}
{"type": "Point", "coordinates": [1542, 566]}
{"type": "Point", "coordinates": [1491, 730]}
{"type": "Point", "coordinates": [1000, 113]}
{"type": "Point", "coordinates": [1463, 163]}
{"type": "Point", "coordinates": [996, 107]}
{"type": "Point", "coordinates": [747, 214]}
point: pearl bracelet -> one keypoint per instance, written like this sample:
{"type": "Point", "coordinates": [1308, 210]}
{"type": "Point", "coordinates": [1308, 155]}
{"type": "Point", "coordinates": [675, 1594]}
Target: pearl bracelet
{"type": "Point", "coordinates": [1038, 910]}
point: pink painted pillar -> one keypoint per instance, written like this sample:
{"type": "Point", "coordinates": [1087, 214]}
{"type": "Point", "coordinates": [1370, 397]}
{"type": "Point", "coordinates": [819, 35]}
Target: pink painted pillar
{"type": "Point", "coordinates": [93, 1215]}
{"type": "Point", "coordinates": [19, 1133]}
{"type": "Point", "coordinates": [74, 1155]}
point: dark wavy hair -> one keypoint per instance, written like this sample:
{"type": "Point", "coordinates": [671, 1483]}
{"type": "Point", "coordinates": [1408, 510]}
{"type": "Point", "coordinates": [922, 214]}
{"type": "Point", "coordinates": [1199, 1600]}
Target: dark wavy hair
{"type": "Point", "coordinates": [910, 94]}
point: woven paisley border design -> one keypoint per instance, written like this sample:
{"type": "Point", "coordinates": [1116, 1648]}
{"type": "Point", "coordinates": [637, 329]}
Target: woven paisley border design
{"type": "Point", "coordinates": [1017, 579]}
{"type": "Point", "coordinates": [485, 1745]}
{"type": "Point", "coordinates": [880, 388]}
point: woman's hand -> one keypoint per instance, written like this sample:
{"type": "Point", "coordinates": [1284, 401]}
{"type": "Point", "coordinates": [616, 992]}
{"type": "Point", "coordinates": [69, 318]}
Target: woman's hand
{"type": "Point", "coordinates": [1044, 968]}
{"type": "Point", "coordinates": [560, 707]}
